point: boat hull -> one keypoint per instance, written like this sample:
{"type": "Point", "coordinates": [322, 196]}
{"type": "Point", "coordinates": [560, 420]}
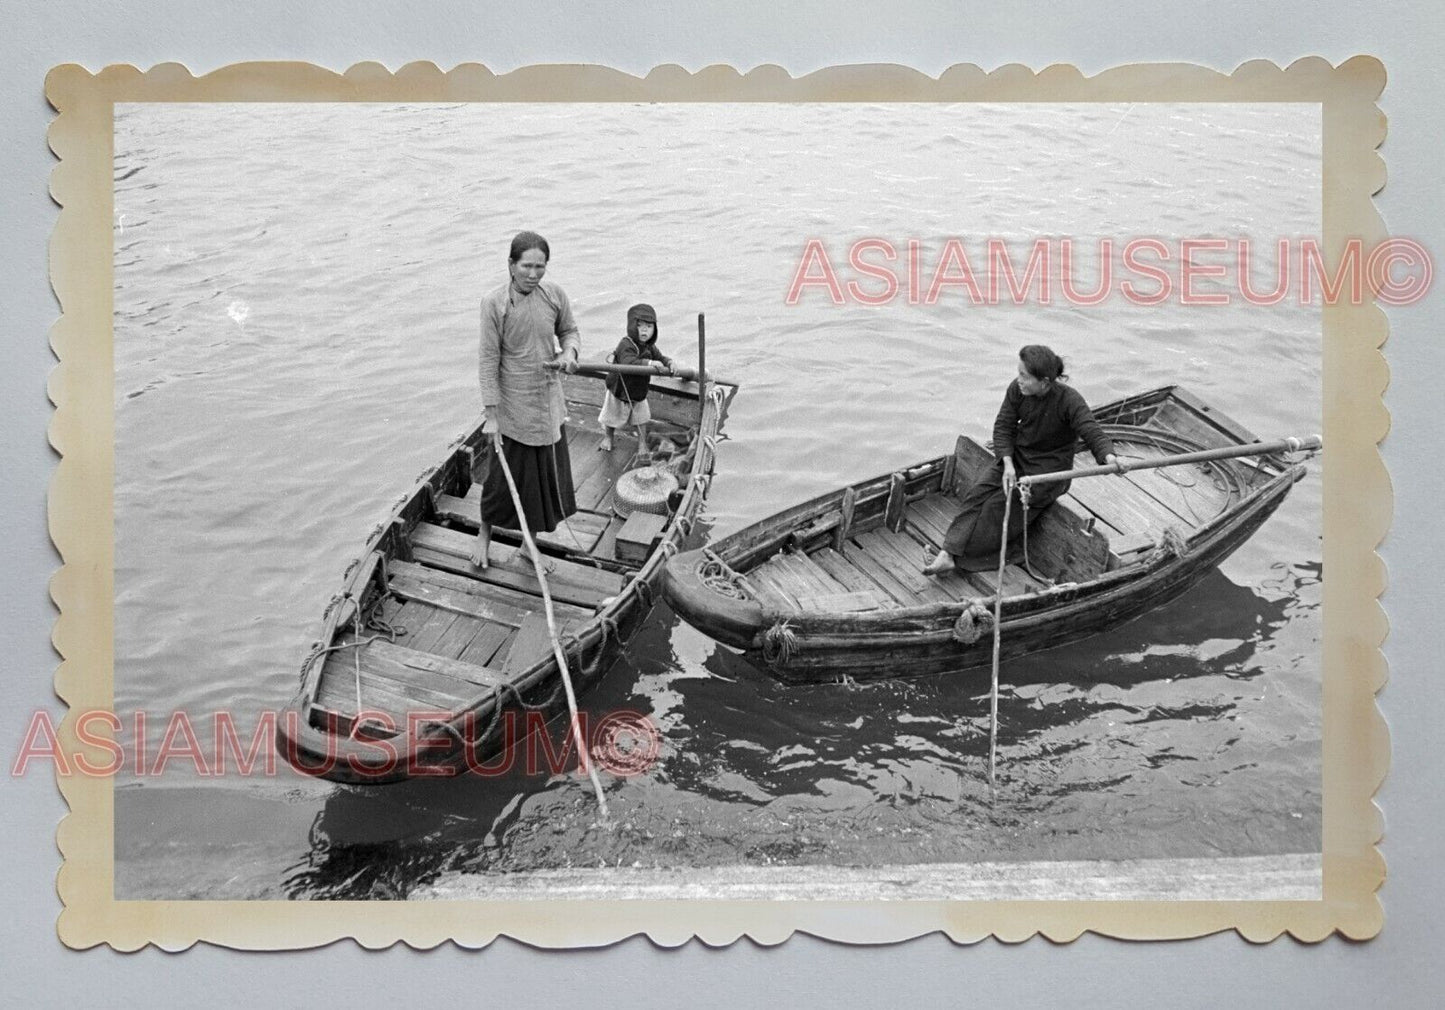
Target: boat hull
{"type": "Point", "coordinates": [803, 643]}
{"type": "Point", "coordinates": [395, 729]}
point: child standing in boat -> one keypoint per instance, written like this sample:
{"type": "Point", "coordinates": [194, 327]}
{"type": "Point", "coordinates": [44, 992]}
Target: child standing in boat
{"type": "Point", "coordinates": [625, 402]}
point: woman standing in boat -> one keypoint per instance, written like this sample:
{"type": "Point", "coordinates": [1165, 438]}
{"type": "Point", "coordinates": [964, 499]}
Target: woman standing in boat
{"type": "Point", "coordinates": [526, 323]}
{"type": "Point", "coordinates": [1040, 422]}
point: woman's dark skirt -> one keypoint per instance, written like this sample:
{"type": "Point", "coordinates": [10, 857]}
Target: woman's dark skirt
{"type": "Point", "coordinates": [973, 536]}
{"type": "Point", "coordinates": [543, 474]}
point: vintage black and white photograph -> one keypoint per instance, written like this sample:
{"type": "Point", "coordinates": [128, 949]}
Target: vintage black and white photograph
{"type": "Point", "coordinates": [718, 500]}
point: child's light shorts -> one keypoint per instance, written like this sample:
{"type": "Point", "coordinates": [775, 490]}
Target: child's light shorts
{"type": "Point", "coordinates": [619, 413]}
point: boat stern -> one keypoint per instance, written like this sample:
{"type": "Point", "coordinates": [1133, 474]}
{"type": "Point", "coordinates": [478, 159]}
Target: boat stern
{"type": "Point", "coordinates": [709, 601]}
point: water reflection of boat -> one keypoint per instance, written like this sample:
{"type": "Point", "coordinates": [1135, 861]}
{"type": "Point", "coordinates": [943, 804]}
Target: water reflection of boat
{"type": "Point", "coordinates": [833, 587]}
{"type": "Point", "coordinates": [422, 654]}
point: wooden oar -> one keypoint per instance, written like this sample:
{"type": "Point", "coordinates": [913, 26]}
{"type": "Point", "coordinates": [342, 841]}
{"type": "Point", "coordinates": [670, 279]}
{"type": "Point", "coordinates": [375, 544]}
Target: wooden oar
{"type": "Point", "coordinates": [1204, 455]}
{"type": "Point", "coordinates": [539, 567]}
{"type": "Point", "coordinates": [608, 368]}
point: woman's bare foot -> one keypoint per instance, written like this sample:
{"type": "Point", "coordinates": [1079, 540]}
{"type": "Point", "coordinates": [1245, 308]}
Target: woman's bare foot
{"type": "Point", "coordinates": [605, 445]}
{"type": "Point", "coordinates": [481, 546]}
{"type": "Point", "coordinates": [526, 556]}
{"type": "Point", "coordinates": [941, 563]}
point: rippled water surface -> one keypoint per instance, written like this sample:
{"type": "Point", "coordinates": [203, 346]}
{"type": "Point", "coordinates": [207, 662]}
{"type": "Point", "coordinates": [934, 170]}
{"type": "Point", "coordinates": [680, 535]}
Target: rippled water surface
{"type": "Point", "coordinates": [296, 296]}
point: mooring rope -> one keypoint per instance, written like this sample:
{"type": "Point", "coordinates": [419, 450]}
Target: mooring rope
{"type": "Point", "coordinates": [997, 638]}
{"type": "Point", "coordinates": [780, 644]}
{"type": "Point", "coordinates": [971, 624]}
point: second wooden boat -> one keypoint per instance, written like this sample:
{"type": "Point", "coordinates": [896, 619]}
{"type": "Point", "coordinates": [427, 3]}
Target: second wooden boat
{"type": "Point", "coordinates": [833, 587]}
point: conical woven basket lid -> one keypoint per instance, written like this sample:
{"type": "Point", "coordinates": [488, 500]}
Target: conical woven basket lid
{"type": "Point", "coordinates": [643, 490]}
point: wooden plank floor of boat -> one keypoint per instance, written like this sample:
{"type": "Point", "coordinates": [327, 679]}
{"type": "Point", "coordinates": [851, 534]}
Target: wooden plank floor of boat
{"type": "Point", "coordinates": [879, 569]}
{"type": "Point", "coordinates": [460, 631]}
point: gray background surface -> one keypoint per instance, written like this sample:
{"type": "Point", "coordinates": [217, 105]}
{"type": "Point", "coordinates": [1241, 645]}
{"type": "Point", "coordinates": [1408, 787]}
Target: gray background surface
{"type": "Point", "coordinates": [1399, 968]}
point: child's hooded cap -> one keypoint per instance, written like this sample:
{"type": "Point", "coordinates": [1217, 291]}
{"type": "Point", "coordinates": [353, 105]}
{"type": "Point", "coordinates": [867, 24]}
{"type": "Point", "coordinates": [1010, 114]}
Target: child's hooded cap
{"type": "Point", "coordinates": [641, 313]}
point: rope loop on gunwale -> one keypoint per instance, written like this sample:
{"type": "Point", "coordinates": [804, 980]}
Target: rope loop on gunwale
{"type": "Point", "coordinates": [717, 577]}
{"type": "Point", "coordinates": [975, 622]}
{"type": "Point", "coordinates": [780, 644]}
{"type": "Point", "coordinates": [1172, 544]}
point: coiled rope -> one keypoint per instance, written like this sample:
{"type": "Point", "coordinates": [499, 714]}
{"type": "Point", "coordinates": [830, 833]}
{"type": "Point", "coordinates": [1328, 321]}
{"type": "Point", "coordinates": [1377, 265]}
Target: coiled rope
{"type": "Point", "coordinates": [973, 623]}
{"type": "Point", "coordinates": [715, 574]}
{"type": "Point", "coordinates": [780, 644]}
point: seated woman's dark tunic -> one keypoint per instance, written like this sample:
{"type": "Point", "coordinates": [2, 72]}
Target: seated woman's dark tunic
{"type": "Point", "coordinates": [1040, 433]}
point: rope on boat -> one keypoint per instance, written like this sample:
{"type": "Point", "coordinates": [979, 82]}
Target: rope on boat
{"type": "Point", "coordinates": [1171, 545]}
{"type": "Point", "coordinates": [1224, 478]}
{"type": "Point", "coordinates": [971, 625]}
{"type": "Point", "coordinates": [609, 628]}
{"type": "Point", "coordinates": [1028, 566]}
{"type": "Point", "coordinates": [311, 656]}
{"type": "Point", "coordinates": [780, 644]}
{"type": "Point", "coordinates": [356, 657]}
{"type": "Point", "coordinates": [997, 637]}
{"type": "Point", "coordinates": [373, 623]}
{"type": "Point", "coordinates": [717, 577]}
{"type": "Point", "coordinates": [540, 567]}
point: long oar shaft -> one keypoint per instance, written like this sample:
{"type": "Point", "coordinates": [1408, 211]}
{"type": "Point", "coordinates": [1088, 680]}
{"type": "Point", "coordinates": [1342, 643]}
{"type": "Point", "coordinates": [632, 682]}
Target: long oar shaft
{"type": "Point", "coordinates": [1203, 456]}
{"type": "Point", "coordinates": [608, 368]}
{"type": "Point", "coordinates": [557, 653]}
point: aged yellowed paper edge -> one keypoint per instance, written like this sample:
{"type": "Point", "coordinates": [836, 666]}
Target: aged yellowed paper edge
{"type": "Point", "coordinates": [1357, 511]}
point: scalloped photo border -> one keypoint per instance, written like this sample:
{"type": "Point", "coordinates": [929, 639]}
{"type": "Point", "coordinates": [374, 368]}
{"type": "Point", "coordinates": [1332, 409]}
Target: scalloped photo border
{"type": "Point", "coordinates": [1356, 516]}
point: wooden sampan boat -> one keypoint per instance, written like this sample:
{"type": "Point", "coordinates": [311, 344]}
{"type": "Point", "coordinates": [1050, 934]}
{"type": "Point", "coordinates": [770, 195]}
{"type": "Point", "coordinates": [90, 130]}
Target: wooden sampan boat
{"type": "Point", "coordinates": [834, 586]}
{"type": "Point", "coordinates": [421, 655]}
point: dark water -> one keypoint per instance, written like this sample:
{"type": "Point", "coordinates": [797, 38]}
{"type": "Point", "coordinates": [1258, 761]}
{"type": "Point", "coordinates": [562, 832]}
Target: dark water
{"type": "Point", "coordinates": [295, 341]}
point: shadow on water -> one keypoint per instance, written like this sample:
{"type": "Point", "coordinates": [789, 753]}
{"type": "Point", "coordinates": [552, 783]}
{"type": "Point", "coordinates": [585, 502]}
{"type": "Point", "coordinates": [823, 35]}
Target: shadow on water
{"type": "Point", "coordinates": [753, 770]}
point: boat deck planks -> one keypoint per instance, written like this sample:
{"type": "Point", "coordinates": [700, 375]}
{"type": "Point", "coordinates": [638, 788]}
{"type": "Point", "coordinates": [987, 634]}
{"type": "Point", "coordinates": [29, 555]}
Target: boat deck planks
{"type": "Point", "coordinates": [1124, 506]}
{"type": "Point", "coordinates": [438, 673]}
{"type": "Point", "coordinates": [594, 491]}
{"type": "Point", "coordinates": [816, 573]}
{"type": "Point", "coordinates": [532, 642]}
{"type": "Point", "coordinates": [1194, 493]}
{"type": "Point", "coordinates": [578, 532]}
{"type": "Point", "coordinates": [468, 595]}
{"type": "Point", "coordinates": [490, 642]}
{"type": "Point", "coordinates": [429, 629]}
{"type": "Point", "coordinates": [850, 577]}
{"type": "Point", "coordinates": [458, 636]}
{"type": "Point", "coordinates": [801, 580]}
{"type": "Point", "coordinates": [879, 573]}
{"type": "Point", "coordinates": [396, 680]}
{"type": "Point", "coordinates": [569, 581]}
{"type": "Point", "coordinates": [931, 515]}
{"type": "Point", "coordinates": [1177, 419]}
{"type": "Point", "coordinates": [582, 448]}
{"type": "Point", "coordinates": [905, 559]}
{"type": "Point", "coordinates": [1086, 513]}
{"type": "Point", "coordinates": [771, 590]}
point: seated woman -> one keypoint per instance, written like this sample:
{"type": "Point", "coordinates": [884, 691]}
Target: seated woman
{"type": "Point", "coordinates": [526, 323]}
{"type": "Point", "coordinates": [1039, 424]}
